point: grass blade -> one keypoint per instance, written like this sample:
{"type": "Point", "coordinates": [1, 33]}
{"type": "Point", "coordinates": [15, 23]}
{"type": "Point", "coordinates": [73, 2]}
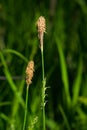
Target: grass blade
{"type": "Point", "coordinates": [64, 117]}
{"type": "Point", "coordinates": [63, 70]}
{"type": "Point", "coordinates": [10, 81]}
{"type": "Point", "coordinates": [77, 83]}
{"type": "Point", "coordinates": [16, 53]}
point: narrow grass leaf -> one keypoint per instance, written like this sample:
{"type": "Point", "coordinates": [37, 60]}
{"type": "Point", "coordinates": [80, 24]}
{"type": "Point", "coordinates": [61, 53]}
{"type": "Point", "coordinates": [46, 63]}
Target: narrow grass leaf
{"type": "Point", "coordinates": [16, 53]}
{"type": "Point", "coordinates": [4, 117]}
{"type": "Point", "coordinates": [64, 117]}
{"type": "Point", "coordinates": [77, 83]}
{"type": "Point", "coordinates": [83, 100]}
{"type": "Point", "coordinates": [9, 78]}
{"type": "Point", "coordinates": [5, 104]}
{"type": "Point", "coordinates": [63, 70]}
{"type": "Point", "coordinates": [52, 125]}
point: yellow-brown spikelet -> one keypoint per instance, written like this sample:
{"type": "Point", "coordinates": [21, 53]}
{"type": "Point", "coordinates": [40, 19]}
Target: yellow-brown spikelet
{"type": "Point", "coordinates": [41, 25]}
{"type": "Point", "coordinates": [29, 72]}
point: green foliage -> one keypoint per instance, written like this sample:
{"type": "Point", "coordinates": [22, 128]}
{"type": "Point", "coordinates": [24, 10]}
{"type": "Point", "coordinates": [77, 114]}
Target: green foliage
{"type": "Point", "coordinates": [77, 84]}
{"type": "Point", "coordinates": [65, 64]}
{"type": "Point", "coordinates": [64, 72]}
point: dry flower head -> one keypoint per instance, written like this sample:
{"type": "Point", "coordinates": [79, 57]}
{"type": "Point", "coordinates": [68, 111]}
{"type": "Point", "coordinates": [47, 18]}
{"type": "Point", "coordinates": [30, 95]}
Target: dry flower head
{"type": "Point", "coordinates": [41, 24]}
{"type": "Point", "coordinates": [29, 72]}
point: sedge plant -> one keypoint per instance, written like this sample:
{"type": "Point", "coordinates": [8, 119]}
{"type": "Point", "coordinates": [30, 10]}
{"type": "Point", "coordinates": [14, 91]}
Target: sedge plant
{"type": "Point", "coordinates": [29, 76]}
{"type": "Point", "coordinates": [41, 30]}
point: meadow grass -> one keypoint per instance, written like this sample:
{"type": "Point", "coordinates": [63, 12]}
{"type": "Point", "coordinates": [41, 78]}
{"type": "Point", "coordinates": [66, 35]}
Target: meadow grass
{"type": "Point", "coordinates": [65, 58]}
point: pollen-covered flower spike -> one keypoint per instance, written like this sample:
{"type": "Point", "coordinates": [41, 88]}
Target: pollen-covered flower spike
{"type": "Point", "coordinates": [29, 72]}
{"type": "Point", "coordinates": [41, 25]}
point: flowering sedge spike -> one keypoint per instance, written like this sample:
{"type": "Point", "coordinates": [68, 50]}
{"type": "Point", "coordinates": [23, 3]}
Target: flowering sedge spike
{"type": "Point", "coordinates": [41, 25]}
{"type": "Point", "coordinates": [29, 73]}
{"type": "Point", "coordinates": [29, 76]}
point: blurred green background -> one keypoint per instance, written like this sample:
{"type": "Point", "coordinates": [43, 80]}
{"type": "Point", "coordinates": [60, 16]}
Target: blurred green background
{"type": "Point", "coordinates": [65, 55]}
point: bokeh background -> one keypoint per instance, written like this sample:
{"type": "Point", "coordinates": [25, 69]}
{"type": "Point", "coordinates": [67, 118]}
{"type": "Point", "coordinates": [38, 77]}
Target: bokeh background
{"type": "Point", "coordinates": [65, 58]}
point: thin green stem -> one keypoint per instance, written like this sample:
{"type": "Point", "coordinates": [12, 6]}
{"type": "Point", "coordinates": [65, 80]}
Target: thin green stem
{"type": "Point", "coordinates": [42, 57]}
{"type": "Point", "coordinates": [43, 89]}
{"type": "Point", "coordinates": [27, 88]}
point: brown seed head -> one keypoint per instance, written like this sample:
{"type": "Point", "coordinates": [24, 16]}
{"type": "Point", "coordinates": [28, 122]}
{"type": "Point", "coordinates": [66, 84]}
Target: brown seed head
{"type": "Point", "coordinates": [29, 72]}
{"type": "Point", "coordinates": [41, 24]}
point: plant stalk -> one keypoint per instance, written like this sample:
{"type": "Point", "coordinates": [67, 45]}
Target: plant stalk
{"type": "Point", "coordinates": [43, 88]}
{"type": "Point", "coordinates": [25, 115]}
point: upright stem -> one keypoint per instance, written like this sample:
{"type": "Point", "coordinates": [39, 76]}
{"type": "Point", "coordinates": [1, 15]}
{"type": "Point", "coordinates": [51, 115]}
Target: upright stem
{"type": "Point", "coordinates": [27, 88]}
{"type": "Point", "coordinates": [41, 30]}
{"type": "Point", "coordinates": [43, 88]}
